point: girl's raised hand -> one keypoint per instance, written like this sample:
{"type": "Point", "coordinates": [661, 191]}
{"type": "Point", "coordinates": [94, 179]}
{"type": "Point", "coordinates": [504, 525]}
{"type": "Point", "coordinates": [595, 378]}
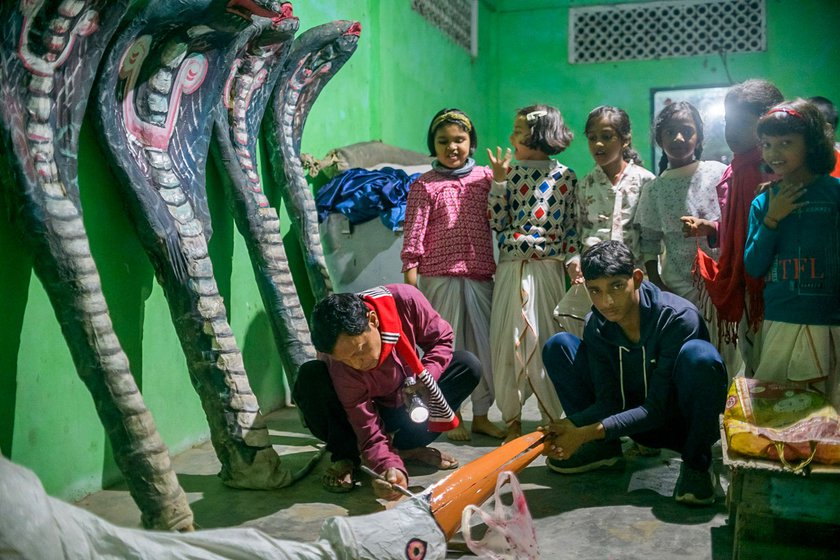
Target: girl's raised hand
{"type": "Point", "coordinates": [500, 164]}
{"type": "Point", "coordinates": [783, 202]}
{"type": "Point", "coordinates": [575, 275]}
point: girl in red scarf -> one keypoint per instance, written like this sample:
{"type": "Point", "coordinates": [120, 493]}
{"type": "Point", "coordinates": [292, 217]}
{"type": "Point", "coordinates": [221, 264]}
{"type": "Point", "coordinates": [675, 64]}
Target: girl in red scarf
{"type": "Point", "coordinates": [735, 295]}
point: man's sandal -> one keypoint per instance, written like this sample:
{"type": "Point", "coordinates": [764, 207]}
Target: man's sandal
{"type": "Point", "coordinates": [431, 457]}
{"type": "Point", "coordinates": [335, 478]}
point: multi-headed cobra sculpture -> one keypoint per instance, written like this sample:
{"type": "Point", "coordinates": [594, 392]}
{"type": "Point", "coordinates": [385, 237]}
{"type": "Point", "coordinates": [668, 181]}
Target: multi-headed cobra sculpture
{"type": "Point", "coordinates": [243, 105]}
{"type": "Point", "coordinates": [49, 53]}
{"type": "Point", "coordinates": [156, 98]}
{"type": "Point", "coordinates": [158, 90]}
{"type": "Point", "coordinates": [315, 57]}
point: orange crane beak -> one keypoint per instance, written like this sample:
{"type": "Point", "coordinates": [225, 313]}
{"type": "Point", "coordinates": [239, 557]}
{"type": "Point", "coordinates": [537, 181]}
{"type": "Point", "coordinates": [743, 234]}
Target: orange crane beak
{"type": "Point", "coordinates": [475, 482]}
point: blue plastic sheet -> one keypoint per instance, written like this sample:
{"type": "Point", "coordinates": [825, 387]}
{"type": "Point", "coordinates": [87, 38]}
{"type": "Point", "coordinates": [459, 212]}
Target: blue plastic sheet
{"type": "Point", "coordinates": [362, 195]}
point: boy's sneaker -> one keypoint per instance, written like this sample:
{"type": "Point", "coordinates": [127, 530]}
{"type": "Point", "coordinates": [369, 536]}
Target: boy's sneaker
{"type": "Point", "coordinates": [592, 455]}
{"type": "Point", "coordinates": [695, 487]}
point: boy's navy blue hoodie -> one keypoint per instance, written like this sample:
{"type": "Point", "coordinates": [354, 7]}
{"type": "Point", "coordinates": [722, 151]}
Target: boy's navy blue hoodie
{"type": "Point", "coordinates": [633, 382]}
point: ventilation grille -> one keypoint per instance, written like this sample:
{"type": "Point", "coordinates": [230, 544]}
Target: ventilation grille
{"type": "Point", "coordinates": [666, 30]}
{"type": "Point", "coordinates": [453, 17]}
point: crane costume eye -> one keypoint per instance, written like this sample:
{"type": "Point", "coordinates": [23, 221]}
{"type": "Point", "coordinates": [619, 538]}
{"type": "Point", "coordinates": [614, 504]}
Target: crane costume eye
{"type": "Point", "coordinates": [415, 549]}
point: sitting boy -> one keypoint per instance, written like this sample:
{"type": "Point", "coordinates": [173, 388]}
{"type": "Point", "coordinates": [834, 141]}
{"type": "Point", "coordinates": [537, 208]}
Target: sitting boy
{"type": "Point", "coordinates": [644, 369]}
{"type": "Point", "coordinates": [352, 396]}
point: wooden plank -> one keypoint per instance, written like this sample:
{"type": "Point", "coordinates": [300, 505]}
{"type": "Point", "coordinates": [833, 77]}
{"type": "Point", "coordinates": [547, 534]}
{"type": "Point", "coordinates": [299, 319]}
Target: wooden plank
{"type": "Point", "coordinates": [762, 550]}
{"type": "Point", "coordinates": [778, 514]}
{"type": "Point", "coordinates": [764, 537]}
{"type": "Point", "coordinates": [811, 499]}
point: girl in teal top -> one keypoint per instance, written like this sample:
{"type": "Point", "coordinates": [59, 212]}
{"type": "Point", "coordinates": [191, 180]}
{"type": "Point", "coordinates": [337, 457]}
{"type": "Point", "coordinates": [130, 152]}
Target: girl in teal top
{"type": "Point", "coordinates": [794, 244]}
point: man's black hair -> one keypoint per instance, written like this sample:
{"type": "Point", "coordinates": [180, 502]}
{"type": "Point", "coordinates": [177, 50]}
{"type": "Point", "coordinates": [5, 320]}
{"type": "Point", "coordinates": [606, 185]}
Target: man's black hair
{"type": "Point", "coordinates": [607, 258]}
{"type": "Point", "coordinates": [335, 315]}
{"type": "Point", "coordinates": [755, 96]}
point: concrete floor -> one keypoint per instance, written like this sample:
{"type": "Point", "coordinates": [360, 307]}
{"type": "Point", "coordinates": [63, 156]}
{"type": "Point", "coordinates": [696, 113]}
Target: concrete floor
{"type": "Point", "coordinates": [597, 515]}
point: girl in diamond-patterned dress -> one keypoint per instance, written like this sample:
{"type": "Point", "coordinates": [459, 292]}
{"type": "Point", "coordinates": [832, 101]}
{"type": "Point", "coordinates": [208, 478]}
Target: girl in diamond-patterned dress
{"type": "Point", "coordinates": [531, 208]}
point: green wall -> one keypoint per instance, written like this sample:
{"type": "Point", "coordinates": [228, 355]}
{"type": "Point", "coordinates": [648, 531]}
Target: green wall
{"type": "Point", "coordinates": [803, 49]}
{"type": "Point", "coordinates": [403, 71]}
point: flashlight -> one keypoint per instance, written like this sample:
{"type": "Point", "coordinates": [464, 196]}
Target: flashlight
{"type": "Point", "coordinates": [417, 410]}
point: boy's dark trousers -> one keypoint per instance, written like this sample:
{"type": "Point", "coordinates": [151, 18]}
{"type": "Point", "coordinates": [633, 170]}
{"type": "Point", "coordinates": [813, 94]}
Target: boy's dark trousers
{"type": "Point", "coordinates": [324, 415]}
{"type": "Point", "coordinates": [695, 401]}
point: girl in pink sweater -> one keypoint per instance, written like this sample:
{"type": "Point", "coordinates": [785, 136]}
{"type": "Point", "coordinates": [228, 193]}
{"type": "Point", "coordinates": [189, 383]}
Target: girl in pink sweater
{"type": "Point", "coordinates": [448, 249]}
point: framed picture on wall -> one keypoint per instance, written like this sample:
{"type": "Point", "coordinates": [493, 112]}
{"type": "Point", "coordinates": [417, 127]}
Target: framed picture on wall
{"type": "Point", "coordinates": [709, 101]}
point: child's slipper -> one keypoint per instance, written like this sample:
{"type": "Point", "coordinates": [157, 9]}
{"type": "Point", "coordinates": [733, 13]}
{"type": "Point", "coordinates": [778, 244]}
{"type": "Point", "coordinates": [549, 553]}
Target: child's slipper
{"type": "Point", "coordinates": [340, 477]}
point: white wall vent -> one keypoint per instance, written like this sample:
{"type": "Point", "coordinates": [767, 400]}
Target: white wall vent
{"type": "Point", "coordinates": [666, 29]}
{"type": "Point", "coordinates": [458, 19]}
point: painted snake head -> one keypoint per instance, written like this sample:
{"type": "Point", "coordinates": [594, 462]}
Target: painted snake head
{"type": "Point", "coordinates": [280, 16]}
{"type": "Point", "coordinates": [338, 41]}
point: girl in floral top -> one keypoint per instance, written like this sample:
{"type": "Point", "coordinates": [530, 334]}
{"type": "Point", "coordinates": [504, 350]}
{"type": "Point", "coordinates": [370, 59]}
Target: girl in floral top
{"type": "Point", "coordinates": [606, 198]}
{"type": "Point", "coordinates": [448, 249]}
{"type": "Point", "coordinates": [685, 187]}
{"type": "Point", "coordinates": [532, 210]}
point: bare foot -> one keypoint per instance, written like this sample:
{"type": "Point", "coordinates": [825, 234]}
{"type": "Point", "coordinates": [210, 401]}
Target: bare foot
{"type": "Point", "coordinates": [514, 431]}
{"type": "Point", "coordinates": [458, 434]}
{"type": "Point", "coordinates": [482, 425]}
{"type": "Point", "coordinates": [339, 477]}
{"type": "Point", "coordinates": [431, 457]}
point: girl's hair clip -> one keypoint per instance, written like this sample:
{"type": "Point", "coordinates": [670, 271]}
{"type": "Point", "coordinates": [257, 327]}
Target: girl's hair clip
{"type": "Point", "coordinates": [787, 110]}
{"type": "Point", "coordinates": [534, 115]}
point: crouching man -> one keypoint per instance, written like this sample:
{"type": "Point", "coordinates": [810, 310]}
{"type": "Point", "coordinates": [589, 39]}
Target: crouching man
{"type": "Point", "coordinates": [354, 396]}
{"type": "Point", "coordinates": [644, 369]}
